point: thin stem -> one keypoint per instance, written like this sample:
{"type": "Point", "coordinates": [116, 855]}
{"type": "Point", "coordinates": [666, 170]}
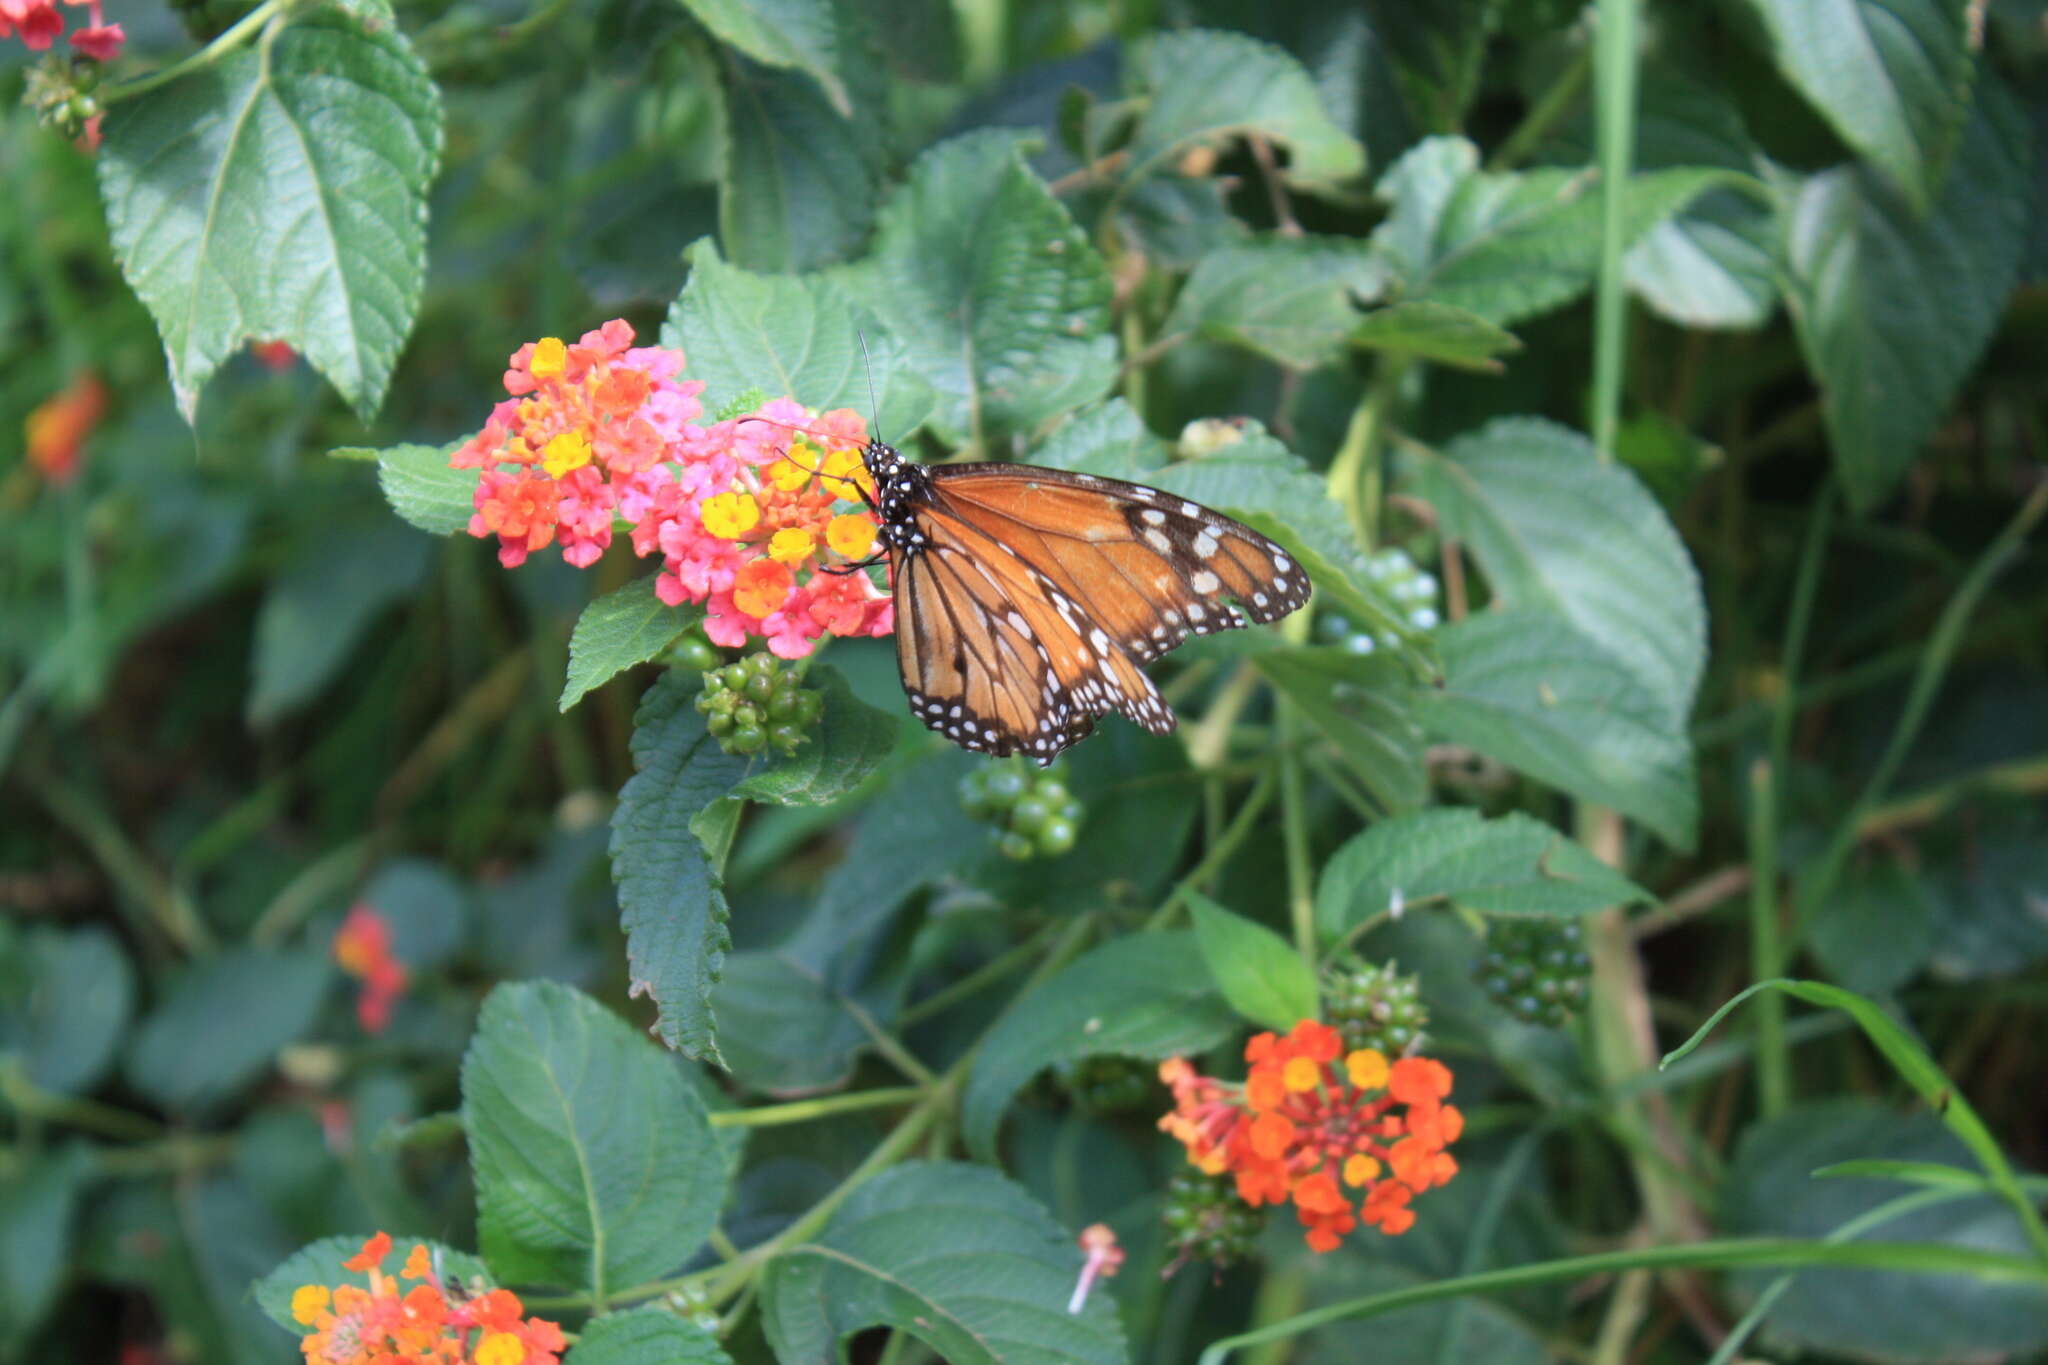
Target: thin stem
{"type": "Point", "coordinates": [1209, 739]}
{"type": "Point", "coordinates": [243, 30]}
{"type": "Point", "coordinates": [170, 909]}
{"type": "Point", "coordinates": [1766, 956]}
{"type": "Point", "coordinates": [978, 980]}
{"type": "Point", "coordinates": [804, 1111]}
{"type": "Point", "coordinates": [1556, 102]}
{"type": "Point", "coordinates": [889, 1046]}
{"type": "Point", "coordinates": [1614, 78]}
{"type": "Point", "coordinates": [1301, 901]}
{"type": "Point", "coordinates": [1354, 478]}
{"type": "Point", "coordinates": [1219, 852]}
{"type": "Point", "coordinates": [30, 1100]}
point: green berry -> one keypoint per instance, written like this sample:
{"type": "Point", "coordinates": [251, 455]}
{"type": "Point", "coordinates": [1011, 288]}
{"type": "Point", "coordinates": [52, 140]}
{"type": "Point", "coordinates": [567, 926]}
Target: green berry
{"type": "Point", "coordinates": [1029, 813]}
{"type": "Point", "coordinates": [694, 651]}
{"type": "Point", "coordinates": [719, 723]}
{"type": "Point", "coordinates": [1536, 969]}
{"type": "Point", "coordinates": [1005, 785]}
{"type": "Point", "coordinates": [1052, 791]}
{"type": "Point", "coordinates": [1057, 836]}
{"type": "Point", "coordinates": [1107, 1084]}
{"type": "Point", "coordinates": [746, 739]}
{"type": "Point", "coordinates": [1015, 846]}
{"type": "Point", "coordinates": [787, 738]}
{"type": "Point", "coordinates": [1206, 1221]}
{"type": "Point", "coordinates": [1376, 1007]}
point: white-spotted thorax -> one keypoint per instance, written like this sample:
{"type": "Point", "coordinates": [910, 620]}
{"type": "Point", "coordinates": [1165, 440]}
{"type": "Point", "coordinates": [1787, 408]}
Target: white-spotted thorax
{"type": "Point", "coordinates": [899, 484]}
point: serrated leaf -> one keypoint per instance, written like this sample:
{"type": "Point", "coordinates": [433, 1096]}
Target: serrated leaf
{"type": "Point", "coordinates": [784, 1029]}
{"type": "Point", "coordinates": [222, 1021]}
{"type": "Point", "coordinates": [620, 629]}
{"type": "Point", "coordinates": [1293, 300]}
{"type": "Point", "coordinates": [1557, 529]}
{"type": "Point", "coordinates": [671, 898]}
{"type": "Point", "coordinates": [280, 193]}
{"type": "Point", "coordinates": [80, 990]}
{"type": "Point", "coordinates": [1001, 300]}
{"type": "Point", "coordinates": [595, 1163]}
{"type": "Point", "coordinates": [1528, 689]}
{"type": "Point", "coordinates": [1434, 331]}
{"type": "Point", "coordinates": [799, 34]}
{"type": "Point", "coordinates": [1891, 76]}
{"type": "Point", "coordinates": [1509, 245]}
{"type": "Point", "coordinates": [951, 1254]}
{"type": "Point", "coordinates": [1205, 86]}
{"type": "Point", "coordinates": [321, 1263]}
{"type": "Point", "coordinates": [646, 1336]}
{"type": "Point", "coordinates": [1364, 705]}
{"type": "Point", "coordinates": [1109, 439]}
{"type": "Point", "coordinates": [799, 176]}
{"type": "Point", "coordinates": [849, 742]}
{"type": "Point", "coordinates": [1259, 973]}
{"type": "Point", "coordinates": [1889, 351]}
{"type": "Point", "coordinates": [1142, 995]}
{"type": "Point", "coordinates": [798, 336]}
{"type": "Point", "coordinates": [318, 606]}
{"type": "Point", "coordinates": [1512, 865]}
{"type": "Point", "coordinates": [424, 489]}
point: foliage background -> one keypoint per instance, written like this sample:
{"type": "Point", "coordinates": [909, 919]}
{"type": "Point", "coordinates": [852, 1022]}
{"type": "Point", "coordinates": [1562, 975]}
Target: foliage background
{"type": "Point", "coordinates": [1810, 728]}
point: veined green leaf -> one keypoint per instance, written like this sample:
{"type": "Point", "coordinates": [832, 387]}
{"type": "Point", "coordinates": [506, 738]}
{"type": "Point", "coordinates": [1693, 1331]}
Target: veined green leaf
{"type": "Point", "coordinates": [595, 1163]}
{"type": "Point", "coordinates": [80, 990]}
{"type": "Point", "coordinates": [1259, 973]}
{"type": "Point", "coordinates": [850, 741]}
{"type": "Point", "coordinates": [1001, 300]}
{"type": "Point", "coordinates": [1142, 995]}
{"type": "Point", "coordinates": [1363, 704]}
{"type": "Point", "coordinates": [1434, 331]}
{"type": "Point", "coordinates": [793, 336]}
{"type": "Point", "coordinates": [799, 178]}
{"type": "Point", "coordinates": [620, 629]}
{"type": "Point", "coordinates": [951, 1254]}
{"type": "Point", "coordinates": [647, 1336]}
{"type": "Point", "coordinates": [1205, 86]}
{"type": "Point", "coordinates": [799, 34]}
{"type": "Point", "coordinates": [1528, 689]}
{"type": "Point", "coordinates": [280, 193]}
{"type": "Point", "coordinates": [1108, 439]}
{"type": "Point", "coordinates": [1293, 300]}
{"type": "Point", "coordinates": [671, 898]}
{"type": "Point", "coordinates": [1512, 865]}
{"type": "Point", "coordinates": [421, 487]}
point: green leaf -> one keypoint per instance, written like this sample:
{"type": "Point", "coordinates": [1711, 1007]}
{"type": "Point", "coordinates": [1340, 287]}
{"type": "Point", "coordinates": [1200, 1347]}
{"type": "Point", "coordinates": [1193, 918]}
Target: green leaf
{"type": "Point", "coordinates": [1293, 300]}
{"type": "Point", "coordinates": [802, 35]}
{"type": "Point", "coordinates": [321, 1263]}
{"type": "Point", "coordinates": [1365, 706]}
{"type": "Point", "coordinates": [784, 1030]}
{"type": "Point", "coordinates": [280, 193]}
{"type": "Point", "coordinates": [798, 336]}
{"type": "Point", "coordinates": [1109, 439]}
{"type": "Point", "coordinates": [443, 1129]}
{"type": "Point", "coordinates": [646, 1336]}
{"type": "Point", "coordinates": [799, 178]}
{"type": "Point", "coordinates": [1891, 76]}
{"type": "Point", "coordinates": [424, 489]}
{"type": "Point", "coordinates": [1205, 87]}
{"type": "Point", "coordinates": [1916, 1069]}
{"type": "Point", "coordinates": [427, 907]}
{"type": "Point", "coordinates": [1513, 865]}
{"type": "Point", "coordinates": [595, 1163]}
{"type": "Point", "coordinates": [76, 994]}
{"type": "Point", "coordinates": [1434, 331]}
{"type": "Point", "coordinates": [1000, 298]}
{"type": "Point", "coordinates": [626, 627]}
{"type": "Point", "coordinates": [319, 605]}
{"type": "Point", "coordinates": [1895, 1316]}
{"type": "Point", "coordinates": [1258, 971]}
{"type": "Point", "coordinates": [1876, 930]}
{"type": "Point", "coordinates": [1482, 1328]}
{"type": "Point", "coordinates": [1507, 246]}
{"type": "Point", "coordinates": [222, 1021]}
{"type": "Point", "coordinates": [671, 897]}
{"type": "Point", "coordinates": [1142, 995]}
{"type": "Point", "coordinates": [1528, 689]}
{"type": "Point", "coordinates": [1890, 352]}
{"type": "Point", "coordinates": [39, 1196]}
{"type": "Point", "coordinates": [849, 743]}
{"type": "Point", "coordinates": [1266, 486]}
{"type": "Point", "coordinates": [1560, 530]}
{"type": "Point", "coordinates": [951, 1254]}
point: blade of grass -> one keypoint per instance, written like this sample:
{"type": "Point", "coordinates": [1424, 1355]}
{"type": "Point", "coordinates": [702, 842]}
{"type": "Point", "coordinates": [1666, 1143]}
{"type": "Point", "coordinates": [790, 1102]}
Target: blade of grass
{"type": "Point", "coordinates": [1614, 94]}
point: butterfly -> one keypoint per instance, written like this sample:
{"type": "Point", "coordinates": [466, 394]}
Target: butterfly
{"type": "Point", "coordinates": [1029, 599]}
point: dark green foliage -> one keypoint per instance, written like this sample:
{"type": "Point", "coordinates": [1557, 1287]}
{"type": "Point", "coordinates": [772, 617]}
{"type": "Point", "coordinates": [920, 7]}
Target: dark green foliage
{"type": "Point", "coordinates": [757, 704]}
{"type": "Point", "coordinates": [1206, 1221]}
{"type": "Point", "coordinates": [1537, 970]}
{"type": "Point", "coordinates": [1030, 812]}
{"type": "Point", "coordinates": [1377, 1006]}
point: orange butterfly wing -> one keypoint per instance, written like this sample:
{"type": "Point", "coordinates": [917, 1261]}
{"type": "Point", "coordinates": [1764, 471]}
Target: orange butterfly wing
{"type": "Point", "coordinates": [1032, 596]}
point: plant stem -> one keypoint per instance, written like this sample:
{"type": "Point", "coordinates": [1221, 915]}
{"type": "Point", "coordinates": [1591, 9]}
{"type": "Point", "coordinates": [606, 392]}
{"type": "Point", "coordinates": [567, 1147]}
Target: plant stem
{"type": "Point", "coordinates": [976, 981]}
{"type": "Point", "coordinates": [1766, 956]}
{"type": "Point", "coordinates": [1557, 101]}
{"type": "Point", "coordinates": [1614, 79]}
{"type": "Point", "coordinates": [244, 29]}
{"type": "Point", "coordinates": [1354, 478]}
{"type": "Point", "coordinates": [1219, 852]}
{"type": "Point", "coordinates": [1209, 739]}
{"type": "Point", "coordinates": [169, 908]}
{"type": "Point", "coordinates": [30, 1100]}
{"type": "Point", "coordinates": [804, 1111]}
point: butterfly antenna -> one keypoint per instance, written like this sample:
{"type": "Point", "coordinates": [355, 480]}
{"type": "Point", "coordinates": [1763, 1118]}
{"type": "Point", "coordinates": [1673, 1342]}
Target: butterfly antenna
{"type": "Point", "coordinates": [789, 452]}
{"type": "Point", "coordinates": [874, 408]}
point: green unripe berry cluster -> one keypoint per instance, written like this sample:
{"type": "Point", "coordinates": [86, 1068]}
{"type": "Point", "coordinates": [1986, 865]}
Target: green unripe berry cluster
{"type": "Point", "coordinates": [1107, 1084]}
{"type": "Point", "coordinates": [1206, 1221]}
{"type": "Point", "coordinates": [1376, 1007]}
{"type": "Point", "coordinates": [1414, 593]}
{"type": "Point", "coordinates": [1033, 814]}
{"type": "Point", "coordinates": [1536, 969]}
{"type": "Point", "coordinates": [694, 651]}
{"type": "Point", "coordinates": [757, 704]}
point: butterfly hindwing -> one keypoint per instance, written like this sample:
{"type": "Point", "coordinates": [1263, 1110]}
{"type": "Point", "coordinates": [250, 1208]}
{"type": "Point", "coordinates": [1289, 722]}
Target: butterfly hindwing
{"type": "Point", "coordinates": [1032, 596]}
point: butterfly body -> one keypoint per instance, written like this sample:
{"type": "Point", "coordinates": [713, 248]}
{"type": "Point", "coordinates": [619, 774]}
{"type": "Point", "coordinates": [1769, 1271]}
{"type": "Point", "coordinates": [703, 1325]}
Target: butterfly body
{"type": "Point", "coordinates": [1028, 598]}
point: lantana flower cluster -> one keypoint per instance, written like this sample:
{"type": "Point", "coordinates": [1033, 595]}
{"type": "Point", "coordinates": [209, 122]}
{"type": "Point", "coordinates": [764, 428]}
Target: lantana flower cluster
{"type": "Point", "coordinates": [1311, 1122]}
{"type": "Point", "coordinates": [362, 948]}
{"type": "Point", "coordinates": [427, 1324]}
{"type": "Point", "coordinates": [40, 21]}
{"type": "Point", "coordinates": [747, 513]}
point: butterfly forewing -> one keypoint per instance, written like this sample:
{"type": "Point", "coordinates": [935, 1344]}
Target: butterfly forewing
{"type": "Point", "coordinates": [1027, 598]}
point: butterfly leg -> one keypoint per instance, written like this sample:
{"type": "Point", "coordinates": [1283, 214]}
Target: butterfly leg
{"type": "Point", "coordinates": [841, 570]}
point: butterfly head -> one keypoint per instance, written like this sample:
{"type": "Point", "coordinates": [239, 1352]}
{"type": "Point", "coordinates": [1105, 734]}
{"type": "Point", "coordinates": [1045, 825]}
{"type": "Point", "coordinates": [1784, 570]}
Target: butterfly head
{"type": "Point", "coordinates": [899, 483]}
